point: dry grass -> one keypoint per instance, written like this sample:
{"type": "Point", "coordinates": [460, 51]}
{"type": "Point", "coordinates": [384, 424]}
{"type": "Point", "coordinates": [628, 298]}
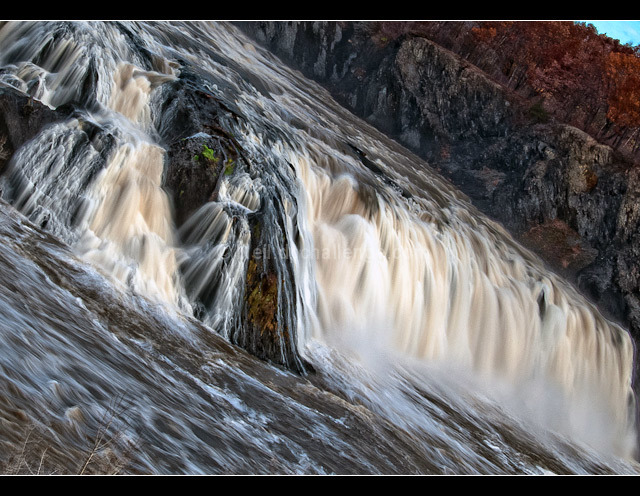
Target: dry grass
{"type": "Point", "coordinates": [40, 451]}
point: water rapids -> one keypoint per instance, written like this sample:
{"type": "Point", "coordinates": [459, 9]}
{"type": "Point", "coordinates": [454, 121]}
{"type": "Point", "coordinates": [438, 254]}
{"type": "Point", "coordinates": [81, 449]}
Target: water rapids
{"type": "Point", "coordinates": [414, 335]}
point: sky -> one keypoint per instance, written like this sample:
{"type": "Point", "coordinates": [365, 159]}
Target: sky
{"type": "Point", "coordinates": [625, 31]}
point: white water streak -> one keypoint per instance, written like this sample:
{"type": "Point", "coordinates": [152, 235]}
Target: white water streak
{"type": "Point", "coordinates": [128, 230]}
{"type": "Point", "coordinates": [393, 284]}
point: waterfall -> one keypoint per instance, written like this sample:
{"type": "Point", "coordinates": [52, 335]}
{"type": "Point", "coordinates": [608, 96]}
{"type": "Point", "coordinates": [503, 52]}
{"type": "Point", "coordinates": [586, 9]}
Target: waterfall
{"type": "Point", "coordinates": [445, 289]}
{"type": "Point", "coordinates": [362, 252]}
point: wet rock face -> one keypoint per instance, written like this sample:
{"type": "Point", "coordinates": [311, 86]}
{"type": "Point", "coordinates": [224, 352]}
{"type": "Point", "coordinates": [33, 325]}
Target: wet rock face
{"type": "Point", "coordinates": [269, 332]}
{"type": "Point", "coordinates": [199, 150]}
{"type": "Point", "coordinates": [186, 108]}
{"type": "Point", "coordinates": [200, 154]}
{"type": "Point", "coordinates": [194, 168]}
{"type": "Point", "coordinates": [542, 180]}
{"type": "Point", "coordinates": [21, 118]}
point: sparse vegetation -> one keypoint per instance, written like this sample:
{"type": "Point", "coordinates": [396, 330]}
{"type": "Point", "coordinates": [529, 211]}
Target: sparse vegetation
{"type": "Point", "coordinates": [229, 167]}
{"type": "Point", "coordinates": [209, 154]}
{"type": "Point", "coordinates": [538, 113]}
{"type": "Point", "coordinates": [108, 453]}
{"type": "Point", "coordinates": [565, 69]}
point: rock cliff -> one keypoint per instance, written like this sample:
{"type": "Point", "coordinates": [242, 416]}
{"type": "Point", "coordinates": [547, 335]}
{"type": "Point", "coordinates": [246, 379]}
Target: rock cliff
{"type": "Point", "coordinates": [564, 195]}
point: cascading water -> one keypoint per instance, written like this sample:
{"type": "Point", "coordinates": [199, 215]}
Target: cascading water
{"type": "Point", "coordinates": [368, 269]}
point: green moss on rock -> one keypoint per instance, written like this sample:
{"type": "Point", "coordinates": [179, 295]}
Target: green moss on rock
{"type": "Point", "coordinates": [262, 299]}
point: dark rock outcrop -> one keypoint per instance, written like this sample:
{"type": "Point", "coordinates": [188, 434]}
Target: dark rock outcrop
{"type": "Point", "coordinates": [269, 331]}
{"type": "Point", "coordinates": [84, 148]}
{"type": "Point", "coordinates": [201, 151]}
{"type": "Point", "coordinates": [193, 174]}
{"type": "Point", "coordinates": [21, 118]}
{"type": "Point", "coordinates": [188, 124]}
{"type": "Point", "coordinates": [567, 197]}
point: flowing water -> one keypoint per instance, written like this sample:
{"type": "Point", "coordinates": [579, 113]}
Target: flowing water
{"type": "Point", "coordinates": [437, 344]}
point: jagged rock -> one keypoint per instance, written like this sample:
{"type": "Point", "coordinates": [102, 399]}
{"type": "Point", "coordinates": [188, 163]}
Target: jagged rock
{"type": "Point", "coordinates": [21, 118]}
{"type": "Point", "coordinates": [200, 154]}
{"type": "Point", "coordinates": [269, 330]}
{"type": "Point", "coordinates": [192, 177]}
